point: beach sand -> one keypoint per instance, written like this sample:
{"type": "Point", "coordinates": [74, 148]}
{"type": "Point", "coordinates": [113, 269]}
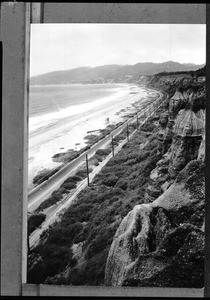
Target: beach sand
{"type": "Point", "coordinates": [58, 134]}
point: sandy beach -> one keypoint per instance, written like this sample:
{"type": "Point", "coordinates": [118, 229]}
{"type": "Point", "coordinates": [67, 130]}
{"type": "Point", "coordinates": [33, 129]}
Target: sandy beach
{"type": "Point", "coordinates": [65, 129]}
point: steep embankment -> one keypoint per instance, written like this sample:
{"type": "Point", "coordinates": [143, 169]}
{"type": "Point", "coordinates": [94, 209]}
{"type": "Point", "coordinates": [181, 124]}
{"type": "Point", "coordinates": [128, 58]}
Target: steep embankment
{"type": "Point", "coordinates": [141, 221]}
{"type": "Point", "coordinates": [161, 242]}
{"type": "Point", "coordinates": [74, 251]}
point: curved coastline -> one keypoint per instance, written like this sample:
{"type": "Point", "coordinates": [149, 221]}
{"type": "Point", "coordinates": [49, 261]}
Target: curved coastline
{"type": "Point", "coordinates": [70, 134]}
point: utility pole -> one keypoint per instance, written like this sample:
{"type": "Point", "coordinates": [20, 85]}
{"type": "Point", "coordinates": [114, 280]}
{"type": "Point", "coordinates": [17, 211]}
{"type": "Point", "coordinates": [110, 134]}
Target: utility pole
{"type": "Point", "coordinates": [137, 123]}
{"type": "Point", "coordinates": [88, 180]}
{"type": "Point", "coordinates": [112, 146]}
{"type": "Point", "coordinates": [127, 133]}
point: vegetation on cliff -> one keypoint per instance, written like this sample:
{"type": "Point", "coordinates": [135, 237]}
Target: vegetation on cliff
{"type": "Point", "coordinates": [141, 221]}
{"type": "Point", "coordinates": [96, 214]}
{"type": "Point", "coordinates": [161, 243]}
{"type": "Point", "coordinates": [34, 221]}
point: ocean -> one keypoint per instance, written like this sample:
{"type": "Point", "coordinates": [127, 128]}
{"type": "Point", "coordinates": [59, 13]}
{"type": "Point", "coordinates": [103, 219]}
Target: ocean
{"type": "Point", "coordinates": [61, 115]}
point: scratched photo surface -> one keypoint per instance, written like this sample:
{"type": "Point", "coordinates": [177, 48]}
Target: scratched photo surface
{"type": "Point", "coordinates": [116, 155]}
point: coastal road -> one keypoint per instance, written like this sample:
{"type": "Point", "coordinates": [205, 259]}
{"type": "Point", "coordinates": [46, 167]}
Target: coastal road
{"type": "Point", "coordinates": [45, 189]}
{"type": "Point", "coordinates": [67, 201]}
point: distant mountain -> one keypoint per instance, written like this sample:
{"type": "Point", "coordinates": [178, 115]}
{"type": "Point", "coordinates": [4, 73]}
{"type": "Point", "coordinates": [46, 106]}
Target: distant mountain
{"type": "Point", "coordinates": [110, 73]}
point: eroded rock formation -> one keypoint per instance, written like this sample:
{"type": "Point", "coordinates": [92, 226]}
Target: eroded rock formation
{"type": "Point", "coordinates": [161, 242]}
{"type": "Point", "coordinates": [181, 132]}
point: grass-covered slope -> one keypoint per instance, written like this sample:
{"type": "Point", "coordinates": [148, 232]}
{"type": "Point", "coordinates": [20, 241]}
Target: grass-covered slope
{"type": "Point", "coordinates": [89, 225]}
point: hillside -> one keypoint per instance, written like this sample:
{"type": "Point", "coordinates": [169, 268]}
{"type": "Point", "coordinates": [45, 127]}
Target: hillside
{"type": "Point", "coordinates": [141, 222]}
{"type": "Point", "coordinates": [161, 241]}
{"type": "Point", "coordinates": [110, 73]}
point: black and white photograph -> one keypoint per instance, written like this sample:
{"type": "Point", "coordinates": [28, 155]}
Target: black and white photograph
{"type": "Point", "coordinates": [116, 155]}
{"type": "Point", "coordinates": [105, 180]}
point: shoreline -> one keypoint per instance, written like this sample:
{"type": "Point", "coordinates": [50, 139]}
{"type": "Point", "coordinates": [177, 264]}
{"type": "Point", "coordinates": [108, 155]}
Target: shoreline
{"type": "Point", "coordinates": [147, 190]}
{"type": "Point", "coordinates": [93, 162]}
{"type": "Point", "coordinates": [142, 136]}
{"type": "Point", "coordinates": [79, 147]}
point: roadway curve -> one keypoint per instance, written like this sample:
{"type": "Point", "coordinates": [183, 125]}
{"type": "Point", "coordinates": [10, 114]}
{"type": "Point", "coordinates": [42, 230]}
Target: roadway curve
{"type": "Point", "coordinates": [45, 189]}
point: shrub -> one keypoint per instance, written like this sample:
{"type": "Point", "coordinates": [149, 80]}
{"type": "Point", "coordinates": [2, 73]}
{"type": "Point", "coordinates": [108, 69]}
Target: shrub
{"type": "Point", "coordinates": [109, 180]}
{"type": "Point", "coordinates": [55, 257]}
{"type": "Point", "coordinates": [74, 179]}
{"type": "Point", "coordinates": [122, 184]}
{"type": "Point", "coordinates": [89, 274]}
{"type": "Point", "coordinates": [100, 159]}
{"type": "Point", "coordinates": [69, 185]}
{"type": "Point", "coordinates": [57, 193]}
{"type": "Point", "coordinates": [92, 138]}
{"type": "Point", "coordinates": [79, 213]}
{"type": "Point", "coordinates": [102, 239]}
{"type": "Point", "coordinates": [44, 175]}
{"type": "Point", "coordinates": [81, 173]}
{"type": "Point", "coordinates": [133, 126]}
{"type": "Point", "coordinates": [63, 190]}
{"type": "Point", "coordinates": [148, 127]}
{"type": "Point", "coordinates": [103, 152]}
{"type": "Point", "coordinates": [34, 221]}
{"type": "Point", "coordinates": [94, 161]}
{"type": "Point", "coordinates": [64, 236]}
{"type": "Point", "coordinates": [53, 199]}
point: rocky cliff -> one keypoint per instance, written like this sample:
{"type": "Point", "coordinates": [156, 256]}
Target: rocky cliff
{"type": "Point", "coordinates": [161, 241]}
{"type": "Point", "coordinates": [141, 222]}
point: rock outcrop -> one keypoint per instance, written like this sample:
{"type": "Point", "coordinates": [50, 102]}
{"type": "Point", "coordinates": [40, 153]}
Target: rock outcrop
{"type": "Point", "coordinates": [181, 132]}
{"type": "Point", "coordinates": [159, 243]}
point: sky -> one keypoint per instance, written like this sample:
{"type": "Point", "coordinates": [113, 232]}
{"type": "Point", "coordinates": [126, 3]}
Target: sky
{"type": "Point", "coordinates": [67, 46]}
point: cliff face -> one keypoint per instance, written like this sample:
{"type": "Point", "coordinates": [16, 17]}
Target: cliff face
{"type": "Point", "coordinates": [181, 131]}
{"type": "Point", "coordinates": [161, 242]}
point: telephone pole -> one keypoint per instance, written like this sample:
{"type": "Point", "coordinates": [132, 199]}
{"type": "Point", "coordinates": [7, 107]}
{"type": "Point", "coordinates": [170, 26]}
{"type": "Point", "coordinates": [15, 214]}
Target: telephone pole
{"type": "Point", "coordinates": [127, 133]}
{"type": "Point", "coordinates": [137, 123]}
{"type": "Point", "coordinates": [88, 180]}
{"type": "Point", "coordinates": [112, 146]}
